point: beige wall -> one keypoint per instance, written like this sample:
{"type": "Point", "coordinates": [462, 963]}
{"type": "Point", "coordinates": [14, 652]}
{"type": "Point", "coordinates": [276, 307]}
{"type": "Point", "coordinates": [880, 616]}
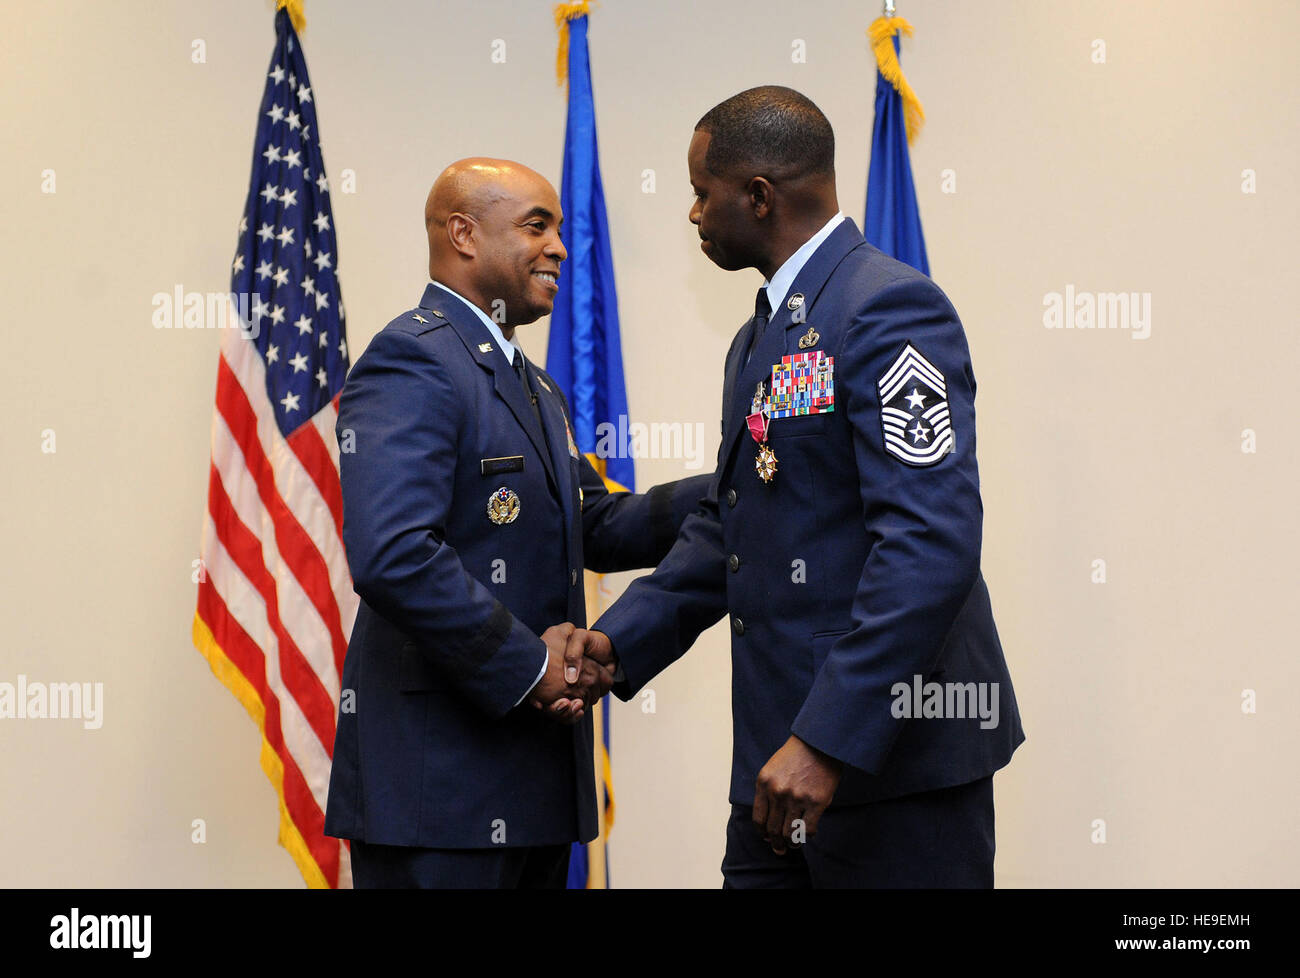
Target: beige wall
{"type": "Point", "coordinates": [1122, 176]}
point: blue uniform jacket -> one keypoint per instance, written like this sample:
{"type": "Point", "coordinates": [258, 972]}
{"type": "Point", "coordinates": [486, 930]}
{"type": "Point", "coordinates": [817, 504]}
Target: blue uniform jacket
{"type": "Point", "coordinates": [856, 570]}
{"type": "Point", "coordinates": [430, 749]}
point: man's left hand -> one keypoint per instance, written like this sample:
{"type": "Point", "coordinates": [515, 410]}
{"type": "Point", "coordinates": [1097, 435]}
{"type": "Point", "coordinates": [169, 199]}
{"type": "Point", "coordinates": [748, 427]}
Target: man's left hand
{"type": "Point", "coordinates": [797, 783]}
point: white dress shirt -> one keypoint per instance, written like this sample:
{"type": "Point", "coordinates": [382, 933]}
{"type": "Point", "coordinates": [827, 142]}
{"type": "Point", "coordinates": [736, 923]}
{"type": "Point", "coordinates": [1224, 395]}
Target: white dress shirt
{"type": "Point", "coordinates": [780, 283]}
{"type": "Point", "coordinates": [506, 347]}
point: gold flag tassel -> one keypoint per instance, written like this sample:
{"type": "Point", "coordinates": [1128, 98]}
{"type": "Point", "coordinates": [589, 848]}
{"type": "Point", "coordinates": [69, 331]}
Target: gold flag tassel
{"type": "Point", "coordinates": [296, 16]}
{"type": "Point", "coordinates": [565, 12]}
{"type": "Point", "coordinates": [882, 33]}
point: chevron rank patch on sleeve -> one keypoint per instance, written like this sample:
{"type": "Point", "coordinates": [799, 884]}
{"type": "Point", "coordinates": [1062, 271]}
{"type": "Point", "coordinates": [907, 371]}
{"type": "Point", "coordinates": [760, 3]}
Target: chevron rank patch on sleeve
{"type": "Point", "coordinates": [914, 410]}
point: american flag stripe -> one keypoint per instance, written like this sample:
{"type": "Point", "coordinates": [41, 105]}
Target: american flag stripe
{"type": "Point", "coordinates": [300, 624]}
{"type": "Point", "coordinates": [245, 607]}
{"type": "Point", "coordinates": [295, 545]}
{"type": "Point", "coordinates": [239, 661]}
{"type": "Point", "coordinates": [298, 477]}
{"type": "Point", "coordinates": [324, 423]}
{"type": "Point", "coordinates": [251, 557]}
{"type": "Point", "coordinates": [312, 449]}
{"type": "Point", "coordinates": [276, 603]}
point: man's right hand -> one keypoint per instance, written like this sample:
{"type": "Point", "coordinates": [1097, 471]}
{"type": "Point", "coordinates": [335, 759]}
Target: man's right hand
{"type": "Point", "coordinates": [588, 664]}
{"type": "Point", "coordinates": [571, 681]}
{"type": "Point", "coordinates": [591, 655]}
{"type": "Point", "coordinates": [593, 645]}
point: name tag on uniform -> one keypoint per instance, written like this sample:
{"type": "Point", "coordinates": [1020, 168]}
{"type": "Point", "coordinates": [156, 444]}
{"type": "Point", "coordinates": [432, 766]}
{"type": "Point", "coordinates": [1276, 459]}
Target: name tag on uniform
{"type": "Point", "coordinates": [495, 466]}
{"type": "Point", "coordinates": [803, 383]}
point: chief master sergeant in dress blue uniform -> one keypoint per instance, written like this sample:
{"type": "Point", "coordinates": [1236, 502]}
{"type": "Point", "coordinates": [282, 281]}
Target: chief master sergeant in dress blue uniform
{"type": "Point", "coordinates": [468, 517]}
{"type": "Point", "coordinates": [841, 538]}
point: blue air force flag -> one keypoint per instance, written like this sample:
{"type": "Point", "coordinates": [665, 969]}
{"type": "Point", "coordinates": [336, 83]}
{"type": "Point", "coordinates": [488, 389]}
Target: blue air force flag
{"type": "Point", "coordinates": [914, 410]}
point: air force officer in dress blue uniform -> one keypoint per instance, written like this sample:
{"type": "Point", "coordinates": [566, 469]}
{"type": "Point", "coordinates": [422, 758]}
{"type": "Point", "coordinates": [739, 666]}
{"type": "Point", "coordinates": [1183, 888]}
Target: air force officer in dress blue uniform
{"type": "Point", "coordinates": [841, 539]}
{"type": "Point", "coordinates": [469, 515]}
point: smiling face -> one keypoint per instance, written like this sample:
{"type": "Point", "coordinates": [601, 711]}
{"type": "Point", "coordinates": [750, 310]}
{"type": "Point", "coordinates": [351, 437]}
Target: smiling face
{"type": "Point", "coordinates": [518, 246]}
{"type": "Point", "coordinates": [722, 212]}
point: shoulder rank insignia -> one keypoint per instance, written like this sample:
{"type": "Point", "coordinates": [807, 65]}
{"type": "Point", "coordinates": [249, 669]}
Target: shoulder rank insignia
{"type": "Point", "coordinates": [485, 348]}
{"type": "Point", "coordinates": [419, 319]}
{"type": "Point", "coordinates": [503, 506]}
{"type": "Point", "coordinates": [914, 410]}
{"type": "Point", "coordinates": [809, 339]}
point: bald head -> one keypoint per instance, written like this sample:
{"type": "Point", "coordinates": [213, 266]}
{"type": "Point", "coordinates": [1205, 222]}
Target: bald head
{"type": "Point", "coordinates": [472, 185]}
{"type": "Point", "coordinates": [494, 237]}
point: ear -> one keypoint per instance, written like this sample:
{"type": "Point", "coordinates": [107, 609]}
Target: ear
{"type": "Point", "coordinates": [762, 196]}
{"type": "Point", "coordinates": [461, 230]}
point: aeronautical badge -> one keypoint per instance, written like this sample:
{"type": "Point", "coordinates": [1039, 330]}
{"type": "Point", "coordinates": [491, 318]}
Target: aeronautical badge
{"type": "Point", "coordinates": [914, 410]}
{"type": "Point", "coordinates": [503, 506]}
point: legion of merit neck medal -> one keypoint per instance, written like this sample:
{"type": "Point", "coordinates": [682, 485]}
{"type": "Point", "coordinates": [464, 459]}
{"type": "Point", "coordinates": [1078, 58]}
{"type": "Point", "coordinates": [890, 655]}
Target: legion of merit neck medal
{"type": "Point", "coordinates": [757, 422]}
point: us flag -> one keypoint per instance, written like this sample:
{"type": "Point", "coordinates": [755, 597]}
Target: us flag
{"type": "Point", "coordinates": [275, 600]}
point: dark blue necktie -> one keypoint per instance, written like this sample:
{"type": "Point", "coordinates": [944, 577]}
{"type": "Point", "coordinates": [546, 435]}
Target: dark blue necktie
{"type": "Point", "coordinates": [762, 309]}
{"type": "Point", "coordinates": [528, 388]}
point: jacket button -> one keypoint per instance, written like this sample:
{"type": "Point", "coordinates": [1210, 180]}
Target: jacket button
{"type": "Point", "coordinates": [737, 625]}
{"type": "Point", "coordinates": [573, 578]}
{"type": "Point", "coordinates": [731, 498]}
{"type": "Point", "coordinates": [734, 563]}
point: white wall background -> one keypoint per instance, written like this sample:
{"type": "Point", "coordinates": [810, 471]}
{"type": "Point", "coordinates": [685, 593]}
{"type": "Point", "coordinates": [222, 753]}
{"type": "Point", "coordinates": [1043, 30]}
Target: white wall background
{"type": "Point", "coordinates": [1120, 176]}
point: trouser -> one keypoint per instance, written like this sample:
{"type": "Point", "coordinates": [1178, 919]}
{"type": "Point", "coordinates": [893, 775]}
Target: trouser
{"type": "Point", "coordinates": [410, 867]}
{"type": "Point", "coordinates": [941, 838]}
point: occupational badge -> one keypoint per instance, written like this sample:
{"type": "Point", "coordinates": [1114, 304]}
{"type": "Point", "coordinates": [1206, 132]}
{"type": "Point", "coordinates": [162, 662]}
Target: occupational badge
{"type": "Point", "coordinates": [503, 506]}
{"type": "Point", "coordinates": [757, 422]}
{"type": "Point", "coordinates": [809, 339]}
{"type": "Point", "coordinates": [914, 413]}
{"type": "Point", "coordinates": [802, 383]}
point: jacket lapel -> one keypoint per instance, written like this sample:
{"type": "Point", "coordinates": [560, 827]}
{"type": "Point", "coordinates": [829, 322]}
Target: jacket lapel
{"type": "Point", "coordinates": [743, 379]}
{"type": "Point", "coordinates": [482, 348]}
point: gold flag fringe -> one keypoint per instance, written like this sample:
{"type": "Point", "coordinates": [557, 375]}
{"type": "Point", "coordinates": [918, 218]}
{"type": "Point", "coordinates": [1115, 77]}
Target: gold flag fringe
{"type": "Point", "coordinates": [296, 16]}
{"type": "Point", "coordinates": [882, 33]}
{"type": "Point", "coordinates": [565, 12]}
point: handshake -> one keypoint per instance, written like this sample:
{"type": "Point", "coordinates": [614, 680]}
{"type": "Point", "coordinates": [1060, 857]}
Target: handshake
{"type": "Point", "coordinates": [580, 669]}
